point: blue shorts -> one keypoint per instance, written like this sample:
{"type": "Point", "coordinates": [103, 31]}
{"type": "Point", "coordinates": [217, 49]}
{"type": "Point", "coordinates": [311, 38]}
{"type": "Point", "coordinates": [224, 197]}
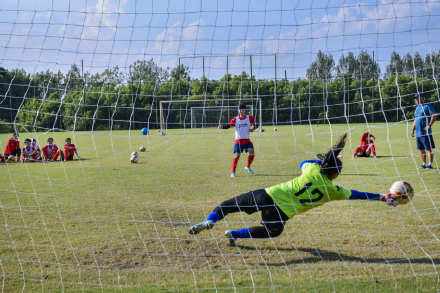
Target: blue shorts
{"type": "Point", "coordinates": [239, 148]}
{"type": "Point", "coordinates": [425, 142]}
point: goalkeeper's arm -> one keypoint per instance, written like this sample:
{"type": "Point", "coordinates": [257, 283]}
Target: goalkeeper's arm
{"type": "Point", "coordinates": [388, 198]}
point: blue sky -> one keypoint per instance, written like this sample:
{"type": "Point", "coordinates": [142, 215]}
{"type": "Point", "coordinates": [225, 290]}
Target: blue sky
{"type": "Point", "coordinates": [53, 34]}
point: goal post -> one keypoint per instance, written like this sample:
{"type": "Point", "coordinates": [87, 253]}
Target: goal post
{"type": "Point", "coordinates": [211, 116]}
{"type": "Point", "coordinates": [181, 114]}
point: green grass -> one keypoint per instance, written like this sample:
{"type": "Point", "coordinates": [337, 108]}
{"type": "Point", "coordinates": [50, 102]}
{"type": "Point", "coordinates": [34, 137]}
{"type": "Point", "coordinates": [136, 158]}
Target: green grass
{"type": "Point", "coordinates": [103, 224]}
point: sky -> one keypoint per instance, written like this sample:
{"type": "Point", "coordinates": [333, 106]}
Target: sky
{"type": "Point", "coordinates": [211, 37]}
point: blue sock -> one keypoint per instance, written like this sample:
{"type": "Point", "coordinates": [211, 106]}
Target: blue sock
{"type": "Point", "coordinates": [241, 233]}
{"type": "Point", "coordinates": [213, 217]}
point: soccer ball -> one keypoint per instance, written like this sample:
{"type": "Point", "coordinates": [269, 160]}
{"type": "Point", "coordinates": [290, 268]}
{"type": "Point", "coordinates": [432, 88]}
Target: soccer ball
{"type": "Point", "coordinates": [403, 190]}
{"type": "Point", "coordinates": [142, 148]}
{"type": "Point", "coordinates": [134, 157]}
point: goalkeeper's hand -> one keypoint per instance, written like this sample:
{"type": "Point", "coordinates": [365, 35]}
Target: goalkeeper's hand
{"type": "Point", "coordinates": [392, 199]}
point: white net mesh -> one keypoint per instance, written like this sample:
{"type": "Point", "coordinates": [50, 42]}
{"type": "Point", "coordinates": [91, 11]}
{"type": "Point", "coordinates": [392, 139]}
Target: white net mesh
{"type": "Point", "coordinates": [99, 71]}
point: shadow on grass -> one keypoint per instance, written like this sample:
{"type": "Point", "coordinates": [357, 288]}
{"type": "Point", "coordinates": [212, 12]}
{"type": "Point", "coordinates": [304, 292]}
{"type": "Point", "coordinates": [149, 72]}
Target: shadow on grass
{"type": "Point", "coordinates": [275, 175]}
{"type": "Point", "coordinates": [359, 174]}
{"type": "Point", "coordinates": [391, 156]}
{"type": "Point", "coordinates": [321, 255]}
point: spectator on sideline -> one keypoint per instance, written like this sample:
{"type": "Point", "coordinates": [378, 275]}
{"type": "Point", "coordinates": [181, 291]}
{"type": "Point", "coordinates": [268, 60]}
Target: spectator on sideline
{"type": "Point", "coordinates": [366, 147]}
{"type": "Point", "coordinates": [51, 151]}
{"type": "Point", "coordinates": [70, 150]}
{"type": "Point", "coordinates": [12, 150]}
{"type": "Point", "coordinates": [424, 118]}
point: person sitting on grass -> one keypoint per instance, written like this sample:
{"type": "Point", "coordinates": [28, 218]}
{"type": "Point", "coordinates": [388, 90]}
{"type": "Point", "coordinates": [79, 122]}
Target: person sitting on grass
{"type": "Point", "coordinates": [278, 203]}
{"type": "Point", "coordinates": [12, 150]}
{"type": "Point", "coordinates": [70, 150]}
{"type": "Point", "coordinates": [51, 152]}
{"type": "Point", "coordinates": [36, 147]}
{"type": "Point", "coordinates": [366, 147]}
{"type": "Point", "coordinates": [30, 153]}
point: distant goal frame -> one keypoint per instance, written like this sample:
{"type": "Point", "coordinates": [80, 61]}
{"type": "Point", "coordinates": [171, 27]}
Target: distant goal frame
{"type": "Point", "coordinates": [217, 103]}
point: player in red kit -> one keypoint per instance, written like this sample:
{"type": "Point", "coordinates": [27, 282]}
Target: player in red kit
{"type": "Point", "coordinates": [366, 147]}
{"type": "Point", "coordinates": [12, 149]}
{"type": "Point", "coordinates": [244, 124]}
{"type": "Point", "coordinates": [70, 150]}
{"type": "Point", "coordinates": [51, 152]}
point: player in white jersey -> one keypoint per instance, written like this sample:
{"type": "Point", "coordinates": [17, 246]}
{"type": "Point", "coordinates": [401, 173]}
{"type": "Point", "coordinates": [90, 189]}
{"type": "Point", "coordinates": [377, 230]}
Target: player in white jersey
{"type": "Point", "coordinates": [244, 124]}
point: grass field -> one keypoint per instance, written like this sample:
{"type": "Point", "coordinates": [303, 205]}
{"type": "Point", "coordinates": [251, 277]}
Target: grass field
{"type": "Point", "coordinates": [103, 224]}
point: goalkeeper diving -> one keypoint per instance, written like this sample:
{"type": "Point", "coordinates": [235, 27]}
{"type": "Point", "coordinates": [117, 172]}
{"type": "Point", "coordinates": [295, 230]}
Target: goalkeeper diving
{"type": "Point", "coordinates": [278, 203]}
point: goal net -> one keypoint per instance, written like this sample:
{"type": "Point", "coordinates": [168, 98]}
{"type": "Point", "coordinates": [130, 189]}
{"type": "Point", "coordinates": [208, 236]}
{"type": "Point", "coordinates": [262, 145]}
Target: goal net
{"type": "Point", "coordinates": [115, 76]}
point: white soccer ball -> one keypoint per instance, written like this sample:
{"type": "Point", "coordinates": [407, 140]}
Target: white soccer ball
{"type": "Point", "coordinates": [142, 148]}
{"type": "Point", "coordinates": [134, 157]}
{"type": "Point", "coordinates": [403, 190]}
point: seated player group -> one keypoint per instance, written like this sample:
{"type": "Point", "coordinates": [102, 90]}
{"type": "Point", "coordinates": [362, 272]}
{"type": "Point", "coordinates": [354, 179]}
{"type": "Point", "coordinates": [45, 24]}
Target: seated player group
{"type": "Point", "coordinates": [31, 151]}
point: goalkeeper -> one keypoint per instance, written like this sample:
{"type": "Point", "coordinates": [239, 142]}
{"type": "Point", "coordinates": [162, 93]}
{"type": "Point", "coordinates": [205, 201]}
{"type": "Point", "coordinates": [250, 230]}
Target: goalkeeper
{"type": "Point", "coordinates": [280, 202]}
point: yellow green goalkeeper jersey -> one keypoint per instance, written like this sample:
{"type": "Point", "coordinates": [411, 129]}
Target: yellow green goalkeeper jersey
{"type": "Point", "coordinates": [309, 190]}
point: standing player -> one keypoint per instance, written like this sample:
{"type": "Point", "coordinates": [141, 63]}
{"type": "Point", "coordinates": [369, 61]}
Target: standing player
{"type": "Point", "coordinates": [12, 149]}
{"type": "Point", "coordinates": [69, 150]}
{"type": "Point", "coordinates": [244, 124]}
{"type": "Point", "coordinates": [279, 203]}
{"type": "Point", "coordinates": [51, 152]}
{"type": "Point", "coordinates": [424, 118]}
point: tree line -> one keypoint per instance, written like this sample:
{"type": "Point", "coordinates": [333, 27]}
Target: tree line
{"type": "Point", "coordinates": [353, 89]}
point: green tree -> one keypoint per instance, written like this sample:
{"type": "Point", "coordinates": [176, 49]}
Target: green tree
{"type": "Point", "coordinates": [322, 68]}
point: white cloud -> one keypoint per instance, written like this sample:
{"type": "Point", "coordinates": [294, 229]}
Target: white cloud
{"type": "Point", "coordinates": [103, 14]}
{"type": "Point", "coordinates": [175, 40]}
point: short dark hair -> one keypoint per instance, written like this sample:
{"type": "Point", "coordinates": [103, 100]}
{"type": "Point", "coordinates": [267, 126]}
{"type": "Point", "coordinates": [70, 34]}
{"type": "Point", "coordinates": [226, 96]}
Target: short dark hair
{"type": "Point", "coordinates": [27, 140]}
{"type": "Point", "coordinates": [242, 107]}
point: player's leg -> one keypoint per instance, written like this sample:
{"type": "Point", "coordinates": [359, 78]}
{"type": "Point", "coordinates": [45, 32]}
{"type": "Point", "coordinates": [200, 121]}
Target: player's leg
{"type": "Point", "coordinates": [236, 157]}
{"type": "Point", "coordinates": [371, 150]}
{"type": "Point", "coordinates": [423, 157]}
{"type": "Point", "coordinates": [272, 224]}
{"type": "Point", "coordinates": [431, 145]}
{"type": "Point", "coordinates": [422, 149]}
{"type": "Point", "coordinates": [250, 159]}
{"type": "Point", "coordinates": [249, 203]}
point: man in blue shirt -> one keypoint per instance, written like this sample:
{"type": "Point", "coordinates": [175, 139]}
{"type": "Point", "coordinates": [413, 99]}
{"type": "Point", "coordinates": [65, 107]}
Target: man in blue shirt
{"type": "Point", "coordinates": [424, 118]}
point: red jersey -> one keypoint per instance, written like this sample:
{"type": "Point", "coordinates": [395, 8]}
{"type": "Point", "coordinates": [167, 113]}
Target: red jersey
{"type": "Point", "coordinates": [69, 151]}
{"type": "Point", "coordinates": [12, 146]}
{"type": "Point", "coordinates": [50, 150]}
{"type": "Point", "coordinates": [242, 126]}
{"type": "Point", "coordinates": [366, 138]}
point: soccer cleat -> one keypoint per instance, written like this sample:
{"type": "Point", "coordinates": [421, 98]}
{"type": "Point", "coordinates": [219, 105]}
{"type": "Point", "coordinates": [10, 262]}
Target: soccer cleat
{"type": "Point", "coordinates": [197, 228]}
{"type": "Point", "coordinates": [423, 166]}
{"type": "Point", "coordinates": [232, 175]}
{"type": "Point", "coordinates": [249, 171]}
{"type": "Point", "coordinates": [429, 166]}
{"type": "Point", "coordinates": [228, 234]}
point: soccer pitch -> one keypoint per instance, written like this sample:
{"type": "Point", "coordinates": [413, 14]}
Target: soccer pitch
{"type": "Point", "coordinates": [103, 224]}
